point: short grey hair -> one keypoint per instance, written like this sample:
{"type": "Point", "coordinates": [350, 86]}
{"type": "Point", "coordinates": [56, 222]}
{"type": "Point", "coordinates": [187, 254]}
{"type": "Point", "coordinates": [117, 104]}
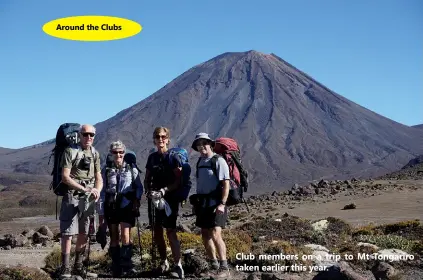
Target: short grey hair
{"type": "Point", "coordinates": [117, 145]}
{"type": "Point", "coordinates": [82, 126]}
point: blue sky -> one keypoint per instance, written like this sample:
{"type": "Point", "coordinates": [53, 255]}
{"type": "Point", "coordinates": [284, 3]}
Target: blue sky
{"type": "Point", "coordinates": [371, 52]}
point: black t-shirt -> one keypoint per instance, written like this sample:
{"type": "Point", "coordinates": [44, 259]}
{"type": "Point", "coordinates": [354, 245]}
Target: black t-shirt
{"type": "Point", "coordinates": [161, 172]}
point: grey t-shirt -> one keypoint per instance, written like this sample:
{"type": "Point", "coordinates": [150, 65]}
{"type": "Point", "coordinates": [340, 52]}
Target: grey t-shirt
{"type": "Point", "coordinates": [207, 181]}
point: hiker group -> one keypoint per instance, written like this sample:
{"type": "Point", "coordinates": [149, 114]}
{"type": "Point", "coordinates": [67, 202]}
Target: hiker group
{"type": "Point", "coordinates": [114, 193]}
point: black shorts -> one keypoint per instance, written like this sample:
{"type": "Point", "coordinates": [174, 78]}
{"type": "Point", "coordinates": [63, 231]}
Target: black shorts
{"type": "Point", "coordinates": [160, 217]}
{"type": "Point", "coordinates": [207, 218]}
{"type": "Point", "coordinates": [120, 215]}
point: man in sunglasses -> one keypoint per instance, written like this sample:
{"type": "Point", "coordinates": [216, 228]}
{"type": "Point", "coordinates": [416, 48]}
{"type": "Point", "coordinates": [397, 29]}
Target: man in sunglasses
{"type": "Point", "coordinates": [82, 175]}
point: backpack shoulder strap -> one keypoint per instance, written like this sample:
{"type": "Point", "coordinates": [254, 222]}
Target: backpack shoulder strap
{"type": "Point", "coordinates": [235, 156]}
{"type": "Point", "coordinates": [133, 176]}
{"type": "Point", "coordinates": [75, 149]}
{"type": "Point", "coordinates": [198, 163]}
{"type": "Point", "coordinates": [213, 162]}
{"type": "Point", "coordinates": [94, 152]}
{"type": "Point", "coordinates": [104, 172]}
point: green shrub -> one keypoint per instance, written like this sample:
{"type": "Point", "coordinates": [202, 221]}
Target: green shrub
{"type": "Point", "coordinates": [388, 241]}
{"type": "Point", "coordinates": [22, 273]}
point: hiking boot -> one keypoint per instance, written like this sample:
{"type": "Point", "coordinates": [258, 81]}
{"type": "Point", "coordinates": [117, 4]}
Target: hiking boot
{"type": "Point", "coordinates": [64, 272]}
{"type": "Point", "coordinates": [80, 270]}
{"type": "Point", "coordinates": [177, 272]}
{"type": "Point", "coordinates": [222, 273]}
{"type": "Point", "coordinates": [213, 269]}
{"type": "Point", "coordinates": [164, 267]}
{"type": "Point", "coordinates": [93, 239]}
{"type": "Point", "coordinates": [210, 273]}
{"type": "Point", "coordinates": [126, 263]}
{"type": "Point", "coordinates": [114, 252]}
{"type": "Point", "coordinates": [129, 272]}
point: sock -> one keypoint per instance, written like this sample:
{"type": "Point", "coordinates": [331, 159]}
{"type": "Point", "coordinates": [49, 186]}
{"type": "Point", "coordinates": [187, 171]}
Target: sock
{"type": "Point", "coordinates": [214, 263]}
{"type": "Point", "coordinates": [65, 259]}
{"type": "Point", "coordinates": [78, 256]}
{"type": "Point", "coordinates": [224, 264]}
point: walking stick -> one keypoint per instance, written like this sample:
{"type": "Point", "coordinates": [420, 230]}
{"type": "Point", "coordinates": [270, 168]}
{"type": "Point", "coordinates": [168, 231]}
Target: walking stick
{"type": "Point", "coordinates": [139, 235]}
{"type": "Point", "coordinates": [90, 233]}
{"type": "Point", "coordinates": [153, 223]}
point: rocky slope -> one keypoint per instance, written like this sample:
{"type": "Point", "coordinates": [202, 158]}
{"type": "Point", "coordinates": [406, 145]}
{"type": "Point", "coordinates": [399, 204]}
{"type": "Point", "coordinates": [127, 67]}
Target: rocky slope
{"type": "Point", "coordinates": [290, 246]}
{"type": "Point", "coordinates": [412, 170]}
{"type": "Point", "coordinates": [290, 127]}
{"type": "Point", "coordinates": [395, 250]}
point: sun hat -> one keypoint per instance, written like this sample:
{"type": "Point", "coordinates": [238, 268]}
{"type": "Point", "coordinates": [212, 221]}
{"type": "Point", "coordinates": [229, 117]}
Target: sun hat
{"type": "Point", "coordinates": [201, 135]}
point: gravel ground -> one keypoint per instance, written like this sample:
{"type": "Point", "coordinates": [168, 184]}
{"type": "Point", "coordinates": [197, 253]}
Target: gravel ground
{"type": "Point", "coordinates": [25, 257]}
{"type": "Point", "coordinates": [408, 205]}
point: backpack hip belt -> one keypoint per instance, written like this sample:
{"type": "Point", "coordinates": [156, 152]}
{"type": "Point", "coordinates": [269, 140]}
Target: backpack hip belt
{"type": "Point", "coordinates": [203, 200]}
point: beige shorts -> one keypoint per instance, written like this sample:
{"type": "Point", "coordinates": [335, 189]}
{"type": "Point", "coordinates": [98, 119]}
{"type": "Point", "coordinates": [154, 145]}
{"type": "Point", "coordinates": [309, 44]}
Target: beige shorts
{"type": "Point", "coordinates": [71, 222]}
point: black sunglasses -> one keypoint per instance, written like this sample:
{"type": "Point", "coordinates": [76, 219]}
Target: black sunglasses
{"type": "Point", "coordinates": [118, 152]}
{"type": "Point", "coordinates": [86, 134]}
{"type": "Point", "coordinates": [161, 136]}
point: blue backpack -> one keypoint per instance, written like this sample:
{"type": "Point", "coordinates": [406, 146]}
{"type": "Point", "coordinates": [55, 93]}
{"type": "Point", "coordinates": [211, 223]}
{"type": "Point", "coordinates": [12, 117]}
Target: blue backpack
{"type": "Point", "coordinates": [182, 193]}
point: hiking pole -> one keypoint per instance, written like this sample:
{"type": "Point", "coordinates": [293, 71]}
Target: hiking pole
{"type": "Point", "coordinates": [91, 230]}
{"type": "Point", "coordinates": [245, 202]}
{"type": "Point", "coordinates": [139, 235]}
{"type": "Point", "coordinates": [90, 233]}
{"type": "Point", "coordinates": [153, 223]}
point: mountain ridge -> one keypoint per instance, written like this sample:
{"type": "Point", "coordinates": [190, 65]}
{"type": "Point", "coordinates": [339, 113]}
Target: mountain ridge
{"type": "Point", "coordinates": [290, 127]}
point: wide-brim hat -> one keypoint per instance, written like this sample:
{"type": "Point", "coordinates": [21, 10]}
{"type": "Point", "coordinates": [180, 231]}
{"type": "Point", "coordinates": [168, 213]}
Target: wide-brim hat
{"type": "Point", "coordinates": [199, 136]}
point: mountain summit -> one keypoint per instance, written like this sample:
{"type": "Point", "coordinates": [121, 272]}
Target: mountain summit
{"type": "Point", "coordinates": [290, 127]}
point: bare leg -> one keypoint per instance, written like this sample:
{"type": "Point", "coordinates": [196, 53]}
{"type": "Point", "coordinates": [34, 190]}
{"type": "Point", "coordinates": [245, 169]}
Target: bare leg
{"type": "Point", "coordinates": [221, 251]}
{"type": "Point", "coordinates": [66, 242]}
{"type": "Point", "coordinates": [114, 235]}
{"type": "Point", "coordinates": [219, 243]}
{"type": "Point", "coordinates": [125, 230]}
{"type": "Point", "coordinates": [161, 244]}
{"type": "Point", "coordinates": [81, 242]}
{"type": "Point", "coordinates": [206, 235]}
{"type": "Point", "coordinates": [174, 245]}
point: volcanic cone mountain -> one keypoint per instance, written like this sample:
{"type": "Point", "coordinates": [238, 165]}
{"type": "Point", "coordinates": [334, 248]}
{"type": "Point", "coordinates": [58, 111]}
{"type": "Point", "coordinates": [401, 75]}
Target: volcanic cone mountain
{"type": "Point", "coordinates": [290, 127]}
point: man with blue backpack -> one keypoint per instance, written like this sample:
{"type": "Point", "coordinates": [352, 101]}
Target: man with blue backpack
{"type": "Point", "coordinates": [77, 178]}
{"type": "Point", "coordinates": [167, 184]}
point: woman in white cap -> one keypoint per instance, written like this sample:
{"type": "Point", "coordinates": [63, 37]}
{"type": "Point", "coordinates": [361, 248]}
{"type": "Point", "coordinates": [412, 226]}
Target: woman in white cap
{"type": "Point", "coordinates": [210, 209]}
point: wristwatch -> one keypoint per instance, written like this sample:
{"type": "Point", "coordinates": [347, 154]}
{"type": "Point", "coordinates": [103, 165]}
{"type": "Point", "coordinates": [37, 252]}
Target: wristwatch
{"type": "Point", "coordinates": [223, 203]}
